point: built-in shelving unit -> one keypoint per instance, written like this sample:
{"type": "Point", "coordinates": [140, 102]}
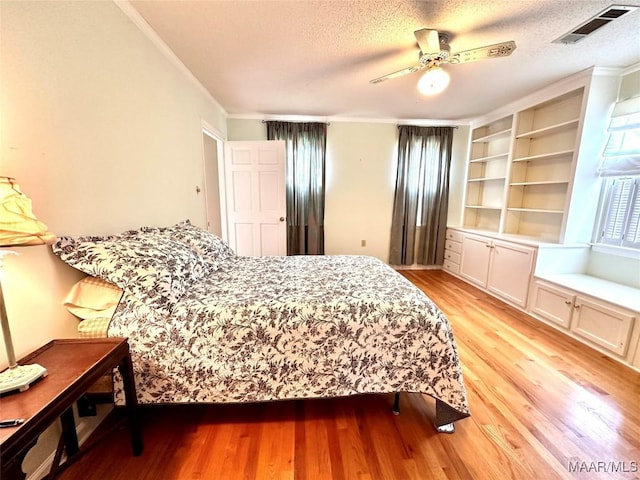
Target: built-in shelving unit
{"type": "Point", "coordinates": [487, 174]}
{"type": "Point", "coordinates": [541, 172]}
{"type": "Point", "coordinates": [520, 169]}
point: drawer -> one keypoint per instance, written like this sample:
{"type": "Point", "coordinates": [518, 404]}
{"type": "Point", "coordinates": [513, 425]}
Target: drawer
{"type": "Point", "coordinates": [452, 256]}
{"type": "Point", "coordinates": [454, 235]}
{"type": "Point", "coordinates": [453, 246]}
{"type": "Point", "coordinates": [451, 267]}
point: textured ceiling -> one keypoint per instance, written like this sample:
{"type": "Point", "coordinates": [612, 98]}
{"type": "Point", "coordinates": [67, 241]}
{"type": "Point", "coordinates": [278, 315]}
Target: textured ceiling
{"type": "Point", "coordinates": [317, 57]}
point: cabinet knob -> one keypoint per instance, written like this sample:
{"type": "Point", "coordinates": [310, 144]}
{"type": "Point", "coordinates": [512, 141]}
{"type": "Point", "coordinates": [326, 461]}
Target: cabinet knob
{"type": "Point", "coordinates": [568, 302]}
{"type": "Point", "coordinates": [576, 306]}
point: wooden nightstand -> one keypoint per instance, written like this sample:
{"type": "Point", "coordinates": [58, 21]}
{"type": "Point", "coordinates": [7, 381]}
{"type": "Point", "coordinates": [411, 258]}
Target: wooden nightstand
{"type": "Point", "coordinates": [73, 366]}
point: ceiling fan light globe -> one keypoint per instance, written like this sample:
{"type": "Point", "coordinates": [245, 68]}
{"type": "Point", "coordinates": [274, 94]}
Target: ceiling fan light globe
{"type": "Point", "coordinates": [434, 81]}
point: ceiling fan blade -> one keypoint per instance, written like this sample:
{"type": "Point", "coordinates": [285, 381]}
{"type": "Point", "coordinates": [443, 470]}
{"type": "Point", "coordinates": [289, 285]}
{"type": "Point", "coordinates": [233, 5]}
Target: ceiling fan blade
{"type": "Point", "coordinates": [428, 41]}
{"type": "Point", "coordinates": [503, 49]}
{"type": "Point", "coordinates": [399, 73]}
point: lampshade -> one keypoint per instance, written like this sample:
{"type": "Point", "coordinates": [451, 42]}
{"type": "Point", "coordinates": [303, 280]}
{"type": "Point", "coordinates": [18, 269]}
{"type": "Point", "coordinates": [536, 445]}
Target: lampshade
{"type": "Point", "coordinates": [18, 224]}
{"type": "Point", "coordinates": [434, 81]}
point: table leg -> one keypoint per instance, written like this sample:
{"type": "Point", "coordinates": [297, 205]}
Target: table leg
{"type": "Point", "coordinates": [126, 370]}
{"type": "Point", "coordinates": [69, 432]}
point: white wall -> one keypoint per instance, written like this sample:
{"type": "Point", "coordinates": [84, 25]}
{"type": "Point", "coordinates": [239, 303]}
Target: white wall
{"type": "Point", "coordinates": [361, 174]}
{"type": "Point", "coordinates": [102, 131]}
{"type": "Point", "coordinates": [361, 170]}
{"type": "Point", "coordinates": [616, 268]}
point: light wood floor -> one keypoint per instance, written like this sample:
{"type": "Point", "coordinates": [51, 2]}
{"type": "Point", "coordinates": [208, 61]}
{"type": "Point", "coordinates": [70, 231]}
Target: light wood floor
{"type": "Point", "coordinates": [541, 405]}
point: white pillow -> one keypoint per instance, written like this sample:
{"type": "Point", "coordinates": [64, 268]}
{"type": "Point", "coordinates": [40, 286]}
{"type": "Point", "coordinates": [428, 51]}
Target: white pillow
{"type": "Point", "coordinates": [93, 297]}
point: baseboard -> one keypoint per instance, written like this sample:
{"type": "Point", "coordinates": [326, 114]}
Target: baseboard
{"type": "Point", "coordinates": [415, 266]}
{"type": "Point", "coordinates": [85, 426]}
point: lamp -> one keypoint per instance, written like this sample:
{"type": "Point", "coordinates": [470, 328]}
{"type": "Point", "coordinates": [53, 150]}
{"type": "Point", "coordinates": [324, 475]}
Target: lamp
{"type": "Point", "coordinates": [434, 81]}
{"type": "Point", "coordinates": [18, 227]}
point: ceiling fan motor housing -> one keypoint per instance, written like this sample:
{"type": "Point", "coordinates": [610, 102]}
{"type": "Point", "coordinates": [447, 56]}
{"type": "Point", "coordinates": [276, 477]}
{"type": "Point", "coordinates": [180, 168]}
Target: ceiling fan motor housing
{"type": "Point", "coordinates": [435, 59]}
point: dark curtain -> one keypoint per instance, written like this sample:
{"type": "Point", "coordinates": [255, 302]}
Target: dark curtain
{"type": "Point", "coordinates": [422, 185]}
{"type": "Point", "coordinates": [305, 183]}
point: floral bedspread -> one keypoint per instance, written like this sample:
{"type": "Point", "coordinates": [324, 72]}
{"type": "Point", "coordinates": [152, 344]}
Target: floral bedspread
{"type": "Point", "coordinates": [270, 328]}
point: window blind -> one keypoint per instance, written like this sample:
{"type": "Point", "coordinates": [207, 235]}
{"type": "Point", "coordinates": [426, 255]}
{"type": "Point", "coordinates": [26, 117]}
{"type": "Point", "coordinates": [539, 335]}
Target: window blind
{"type": "Point", "coordinates": [621, 225]}
{"type": "Point", "coordinates": [621, 154]}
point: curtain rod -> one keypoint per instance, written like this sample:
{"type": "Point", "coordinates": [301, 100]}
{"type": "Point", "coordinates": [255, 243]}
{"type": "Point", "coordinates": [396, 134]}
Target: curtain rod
{"type": "Point", "coordinates": [288, 121]}
{"type": "Point", "coordinates": [409, 125]}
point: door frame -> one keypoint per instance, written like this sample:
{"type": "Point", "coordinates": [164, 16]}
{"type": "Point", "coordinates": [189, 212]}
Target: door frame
{"type": "Point", "coordinates": [216, 136]}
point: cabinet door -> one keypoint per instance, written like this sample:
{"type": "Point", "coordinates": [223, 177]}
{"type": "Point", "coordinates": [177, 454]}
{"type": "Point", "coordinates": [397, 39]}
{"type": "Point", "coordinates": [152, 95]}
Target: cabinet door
{"type": "Point", "coordinates": [510, 271]}
{"type": "Point", "coordinates": [474, 264]}
{"type": "Point", "coordinates": [552, 303]}
{"type": "Point", "coordinates": [602, 324]}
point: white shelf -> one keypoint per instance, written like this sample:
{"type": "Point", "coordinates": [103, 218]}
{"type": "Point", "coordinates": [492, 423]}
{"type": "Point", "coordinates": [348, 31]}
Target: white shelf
{"type": "Point", "coordinates": [546, 182]}
{"type": "Point", "coordinates": [541, 132]}
{"type": "Point", "coordinates": [493, 136]}
{"type": "Point", "coordinates": [486, 179]}
{"type": "Point", "coordinates": [490, 158]}
{"type": "Point", "coordinates": [544, 156]}
{"type": "Point", "coordinates": [483, 207]}
{"type": "Point", "coordinates": [535, 210]}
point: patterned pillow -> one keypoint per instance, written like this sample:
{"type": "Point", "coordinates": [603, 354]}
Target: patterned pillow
{"type": "Point", "coordinates": [154, 268]}
{"type": "Point", "coordinates": [211, 247]}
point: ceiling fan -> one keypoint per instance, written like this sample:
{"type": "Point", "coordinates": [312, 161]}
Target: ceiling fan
{"type": "Point", "coordinates": [434, 50]}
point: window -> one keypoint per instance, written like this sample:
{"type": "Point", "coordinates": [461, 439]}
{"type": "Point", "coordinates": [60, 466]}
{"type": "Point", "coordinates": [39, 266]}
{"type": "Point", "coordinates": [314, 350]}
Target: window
{"type": "Point", "coordinates": [621, 212]}
{"type": "Point", "coordinates": [620, 221]}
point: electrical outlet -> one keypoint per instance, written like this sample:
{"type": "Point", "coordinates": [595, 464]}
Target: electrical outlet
{"type": "Point", "coordinates": [363, 243]}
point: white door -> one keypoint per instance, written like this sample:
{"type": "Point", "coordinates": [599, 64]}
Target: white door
{"type": "Point", "coordinates": [602, 324]}
{"type": "Point", "coordinates": [255, 197]}
{"type": "Point", "coordinates": [474, 263]}
{"type": "Point", "coordinates": [510, 271]}
{"type": "Point", "coordinates": [552, 303]}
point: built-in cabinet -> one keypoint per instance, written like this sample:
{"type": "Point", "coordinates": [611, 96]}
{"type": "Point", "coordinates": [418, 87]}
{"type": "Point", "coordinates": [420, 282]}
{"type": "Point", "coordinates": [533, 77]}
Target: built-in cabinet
{"type": "Point", "coordinates": [502, 268]}
{"type": "Point", "coordinates": [602, 323]}
{"type": "Point", "coordinates": [531, 184]}
{"type": "Point", "coordinates": [606, 316]}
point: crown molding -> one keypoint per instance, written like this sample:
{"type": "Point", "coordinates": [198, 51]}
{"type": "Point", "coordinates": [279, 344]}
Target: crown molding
{"type": "Point", "coordinates": [631, 69]}
{"type": "Point", "coordinates": [164, 49]}
{"type": "Point", "coordinates": [340, 119]}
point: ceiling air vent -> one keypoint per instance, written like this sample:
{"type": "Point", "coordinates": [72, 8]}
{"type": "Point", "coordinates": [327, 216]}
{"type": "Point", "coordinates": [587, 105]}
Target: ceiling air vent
{"type": "Point", "coordinates": [594, 23]}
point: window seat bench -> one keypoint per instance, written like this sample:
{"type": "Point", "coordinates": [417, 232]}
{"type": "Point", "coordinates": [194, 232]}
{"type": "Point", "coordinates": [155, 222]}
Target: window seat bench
{"type": "Point", "coordinates": [616, 293]}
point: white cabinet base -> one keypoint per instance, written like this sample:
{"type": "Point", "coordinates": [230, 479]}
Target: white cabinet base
{"type": "Point", "coordinates": [502, 268]}
{"type": "Point", "coordinates": [589, 319]}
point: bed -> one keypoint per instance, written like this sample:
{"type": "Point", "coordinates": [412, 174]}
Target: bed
{"type": "Point", "coordinates": [207, 326]}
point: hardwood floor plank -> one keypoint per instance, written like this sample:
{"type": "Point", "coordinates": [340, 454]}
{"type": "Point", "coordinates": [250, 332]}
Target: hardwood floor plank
{"type": "Point", "coordinates": [276, 451]}
{"type": "Point", "coordinates": [543, 406]}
